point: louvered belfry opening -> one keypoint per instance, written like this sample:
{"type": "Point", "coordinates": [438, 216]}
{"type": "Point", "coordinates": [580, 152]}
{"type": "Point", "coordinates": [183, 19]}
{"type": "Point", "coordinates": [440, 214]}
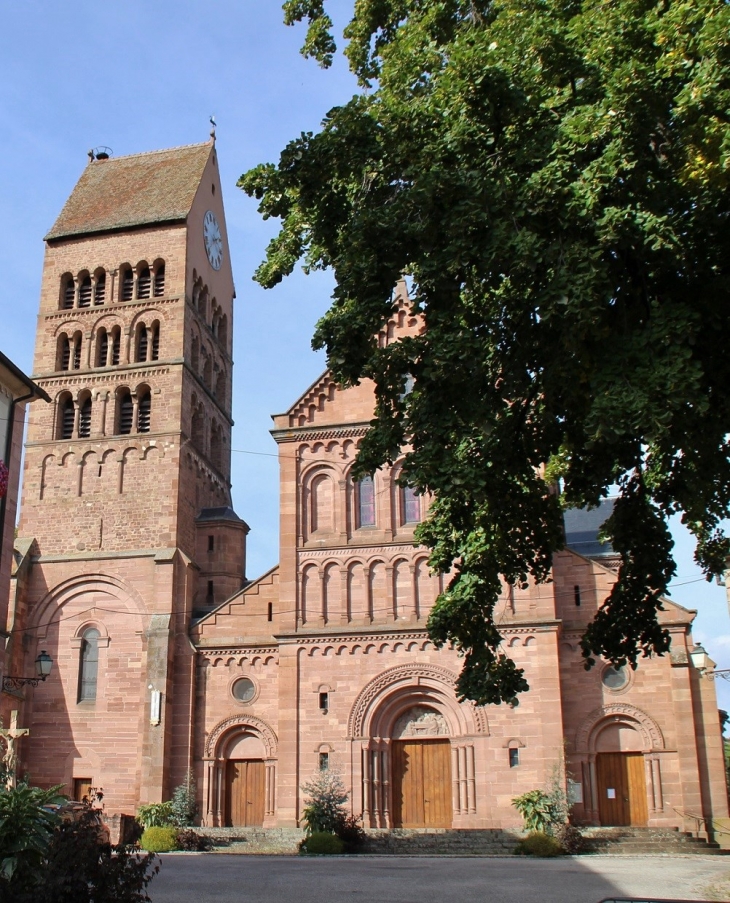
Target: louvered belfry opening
{"type": "Point", "coordinates": [126, 413]}
{"type": "Point", "coordinates": [144, 283]}
{"type": "Point", "coordinates": [142, 343]}
{"type": "Point", "coordinates": [144, 411]}
{"type": "Point", "coordinates": [103, 349]}
{"type": "Point", "coordinates": [67, 418]}
{"type": "Point", "coordinates": [160, 281]}
{"type": "Point", "coordinates": [127, 285]}
{"type": "Point", "coordinates": [65, 357]}
{"type": "Point", "coordinates": [85, 292]}
{"type": "Point", "coordinates": [155, 341]}
{"type": "Point", "coordinates": [116, 341]}
{"type": "Point", "coordinates": [69, 294]}
{"type": "Point", "coordinates": [85, 419]}
{"type": "Point", "coordinates": [77, 352]}
{"type": "Point", "coordinates": [100, 289]}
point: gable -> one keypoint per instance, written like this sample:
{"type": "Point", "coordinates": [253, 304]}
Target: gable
{"type": "Point", "coordinates": [244, 618]}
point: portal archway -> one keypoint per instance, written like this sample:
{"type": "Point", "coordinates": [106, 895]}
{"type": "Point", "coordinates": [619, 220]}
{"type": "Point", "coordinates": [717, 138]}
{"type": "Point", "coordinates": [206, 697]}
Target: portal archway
{"type": "Point", "coordinates": [240, 773]}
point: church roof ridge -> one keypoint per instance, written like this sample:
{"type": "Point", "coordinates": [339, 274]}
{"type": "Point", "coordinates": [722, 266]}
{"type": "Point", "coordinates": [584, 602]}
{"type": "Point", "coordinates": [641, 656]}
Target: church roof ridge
{"type": "Point", "coordinates": [159, 150]}
{"type": "Point", "coordinates": [144, 189]}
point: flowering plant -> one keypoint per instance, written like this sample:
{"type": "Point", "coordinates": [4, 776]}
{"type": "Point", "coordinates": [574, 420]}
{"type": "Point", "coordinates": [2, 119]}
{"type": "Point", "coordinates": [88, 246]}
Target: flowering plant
{"type": "Point", "coordinates": [3, 479]}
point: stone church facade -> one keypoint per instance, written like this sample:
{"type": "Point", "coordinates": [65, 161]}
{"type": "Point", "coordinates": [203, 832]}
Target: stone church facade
{"type": "Point", "coordinates": [130, 572]}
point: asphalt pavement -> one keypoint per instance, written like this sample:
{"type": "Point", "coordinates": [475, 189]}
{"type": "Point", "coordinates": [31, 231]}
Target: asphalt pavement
{"type": "Point", "coordinates": [225, 878]}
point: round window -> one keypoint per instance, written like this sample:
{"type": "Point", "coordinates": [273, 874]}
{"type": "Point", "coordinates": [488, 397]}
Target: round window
{"type": "Point", "coordinates": [244, 690]}
{"type": "Point", "coordinates": [615, 678]}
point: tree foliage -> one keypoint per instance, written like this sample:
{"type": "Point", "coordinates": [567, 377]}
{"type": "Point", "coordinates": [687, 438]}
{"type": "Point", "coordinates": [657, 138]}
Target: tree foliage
{"type": "Point", "coordinates": [552, 176]}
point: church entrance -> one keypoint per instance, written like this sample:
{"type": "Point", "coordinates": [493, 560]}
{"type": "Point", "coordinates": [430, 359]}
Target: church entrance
{"type": "Point", "coordinates": [421, 783]}
{"type": "Point", "coordinates": [621, 788]}
{"type": "Point", "coordinates": [245, 793]}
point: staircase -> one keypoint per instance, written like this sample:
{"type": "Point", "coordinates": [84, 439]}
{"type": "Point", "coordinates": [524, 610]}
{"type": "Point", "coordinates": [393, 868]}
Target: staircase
{"type": "Point", "coordinates": [442, 842]}
{"type": "Point", "coordinates": [264, 841]}
{"type": "Point", "coordinates": [643, 841]}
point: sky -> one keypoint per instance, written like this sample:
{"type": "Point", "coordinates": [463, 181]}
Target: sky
{"type": "Point", "coordinates": [137, 76]}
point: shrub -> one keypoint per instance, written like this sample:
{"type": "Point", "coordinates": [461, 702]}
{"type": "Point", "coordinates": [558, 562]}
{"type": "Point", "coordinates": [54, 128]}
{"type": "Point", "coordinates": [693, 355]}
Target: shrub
{"type": "Point", "coordinates": [193, 842]}
{"type": "Point", "coordinates": [27, 820]}
{"type": "Point", "coordinates": [325, 797]}
{"type": "Point", "coordinates": [351, 833]}
{"type": "Point", "coordinates": [322, 842]}
{"type": "Point", "coordinates": [159, 839]}
{"type": "Point", "coordinates": [155, 815]}
{"type": "Point", "coordinates": [183, 807]}
{"type": "Point", "coordinates": [539, 810]}
{"type": "Point", "coordinates": [537, 843]}
{"type": "Point", "coordinates": [571, 839]}
{"type": "Point", "coordinates": [80, 866]}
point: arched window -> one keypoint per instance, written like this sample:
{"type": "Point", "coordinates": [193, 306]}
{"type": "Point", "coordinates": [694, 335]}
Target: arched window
{"type": "Point", "coordinates": [66, 417]}
{"type": "Point", "coordinates": [144, 411]}
{"type": "Point", "coordinates": [88, 665]}
{"type": "Point", "coordinates": [85, 291]}
{"type": "Point", "coordinates": [144, 282]}
{"type": "Point", "coordinates": [203, 303]}
{"type": "Point", "coordinates": [197, 428]}
{"type": "Point", "coordinates": [125, 412]}
{"type": "Point", "coordinates": [195, 355]}
{"type": "Point", "coordinates": [411, 505]}
{"type": "Point", "coordinates": [223, 330]}
{"type": "Point", "coordinates": [220, 389]}
{"type": "Point", "coordinates": [155, 341]}
{"type": "Point", "coordinates": [116, 343]}
{"type": "Point", "coordinates": [85, 418]}
{"type": "Point", "coordinates": [141, 351]}
{"type": "Point", "coordinates": [64, 353]}
{"type": "Point", "coordinates": [208, 371]}
{"type": "Point", "coordinates": [160, 280]}
{"type": "Point", "coordinates": [68, 292]}
{"type": "Point", "coordinates": [215, 446]}
{"type": "Point", "coordinates": [102, 347]}
{"type": "Point", "coordinates": [100, 287]}
{"type": "Point", "coordinates": [127, 282]}
{"type": "Point", "coordinates": [366, 502]}
{"type": "Point", "coordinates": [321, 504]}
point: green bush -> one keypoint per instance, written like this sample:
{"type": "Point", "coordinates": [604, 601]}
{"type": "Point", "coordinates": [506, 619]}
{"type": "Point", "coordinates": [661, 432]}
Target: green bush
{"type": "Point", "coordinates": [193, 842]}
{"type": "Point", "coordinates": [538, 843]}
{"type": "Point", "coordinates": [325, 798]}
{"type": "Point", "coordinates": [571, 840]}
{"type": "Point", "coordinates": [155, 815]}
{"type": "Point", "coordinates": [322, 842]}
{"type": "Point", "coordinates": [183, 807]}
{"type": "Point", "coordinates": [159, 839]}
{"type": "Point", "coordinates": [540, 810]}
{"type": "Point", "coordinates": [27, 819]}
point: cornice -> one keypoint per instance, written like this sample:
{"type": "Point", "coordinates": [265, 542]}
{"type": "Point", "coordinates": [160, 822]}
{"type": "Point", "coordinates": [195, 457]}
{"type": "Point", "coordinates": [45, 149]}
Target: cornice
{"type": "Point", "coordinates": [96, 309]}
{"type": "Point", "coordinates": [95, 377]}
{"type": "Point", "coordinates": [235, 649]}
{"type": "Point", "coordinates": [306, 433]}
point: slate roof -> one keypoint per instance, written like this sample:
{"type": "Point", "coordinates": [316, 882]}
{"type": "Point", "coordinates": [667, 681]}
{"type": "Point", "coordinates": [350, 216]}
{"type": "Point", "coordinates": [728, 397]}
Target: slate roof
{"type": "Point", "coordinates": [138, 190]}
{"type": "Point", "coordinates": [582, 526]}
{"type": "Point", "coordinates": [219, 514]}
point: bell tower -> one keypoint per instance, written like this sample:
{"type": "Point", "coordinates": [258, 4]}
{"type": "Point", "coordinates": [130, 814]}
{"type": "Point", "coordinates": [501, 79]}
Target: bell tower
{"type": "Point", "coordinates": [127, 529]}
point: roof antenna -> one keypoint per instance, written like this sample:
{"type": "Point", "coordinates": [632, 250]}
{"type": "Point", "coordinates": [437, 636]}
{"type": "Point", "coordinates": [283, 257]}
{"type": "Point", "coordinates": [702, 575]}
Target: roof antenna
{"type": "Point", "coordinates": [213, 123]}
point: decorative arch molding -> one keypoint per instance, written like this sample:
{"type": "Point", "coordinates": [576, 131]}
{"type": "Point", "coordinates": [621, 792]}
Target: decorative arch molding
{"type": "Point", "coordinates": [412, 684]}
{"type": "Point", "coordinates": [69, 590]}
{"type": "Point", "coordinates": [240, 722]}
{"type": "Point", "coordinates": [587, 734]}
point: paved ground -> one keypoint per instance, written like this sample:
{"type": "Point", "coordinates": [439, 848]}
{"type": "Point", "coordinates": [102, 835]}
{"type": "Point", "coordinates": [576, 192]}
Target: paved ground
{"type": "Point", "coordinates": [220, 878]}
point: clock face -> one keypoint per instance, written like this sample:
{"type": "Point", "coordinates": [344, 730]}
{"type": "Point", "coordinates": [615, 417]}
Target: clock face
{"type": "Point", "coordinates": [213, 240]}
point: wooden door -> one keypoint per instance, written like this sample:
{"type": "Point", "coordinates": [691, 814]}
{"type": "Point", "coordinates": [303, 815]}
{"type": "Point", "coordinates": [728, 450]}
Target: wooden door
{"type": "Point", "coordinates": [82, 789]}
{"type": "Point", "coordinates": [421, 781]}
{"type": "Point", "coordinates": [245, 792]}
{"type": "Point", "coordinates": [621, 789]}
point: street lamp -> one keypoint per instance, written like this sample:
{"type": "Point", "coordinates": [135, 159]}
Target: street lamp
{"type": "Point", "coordinates": [43, 665]}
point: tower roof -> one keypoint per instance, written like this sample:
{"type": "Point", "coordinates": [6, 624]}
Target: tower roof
{"type": "Point", "coordinates": [138, 190]}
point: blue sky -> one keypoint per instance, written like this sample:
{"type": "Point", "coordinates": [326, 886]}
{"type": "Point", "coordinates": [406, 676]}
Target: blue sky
{"type": "Point", "coordinates": [139, 76]}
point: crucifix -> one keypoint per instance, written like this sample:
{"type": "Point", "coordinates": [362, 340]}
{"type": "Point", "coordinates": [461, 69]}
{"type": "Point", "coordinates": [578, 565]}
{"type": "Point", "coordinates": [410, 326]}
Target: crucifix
{"type": "Point", "coordinates": [10, 759]}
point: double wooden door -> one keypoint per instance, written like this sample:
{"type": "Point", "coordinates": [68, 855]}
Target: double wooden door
{"type": "Point", "coordinates": [245, 790]}
{"type": "Point", "coordinates": [621, 789]}
{"type": "Point", "coordinates": [421, 782]}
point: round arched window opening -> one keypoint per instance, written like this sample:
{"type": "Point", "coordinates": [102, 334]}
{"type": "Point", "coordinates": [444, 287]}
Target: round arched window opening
{"type": "Point", "coordinates": [615, 678]}
{"type": "Point", "coordinates": [244, 690]}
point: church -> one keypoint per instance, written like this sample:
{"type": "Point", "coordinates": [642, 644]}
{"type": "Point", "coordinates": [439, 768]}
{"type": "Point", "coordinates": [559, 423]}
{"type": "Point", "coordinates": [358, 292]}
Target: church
{"type": "Point", "coordinates": [130, 572]}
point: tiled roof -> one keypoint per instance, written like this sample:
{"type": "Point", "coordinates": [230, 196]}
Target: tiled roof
{"type": "Point", "coordinates": [138, 190]}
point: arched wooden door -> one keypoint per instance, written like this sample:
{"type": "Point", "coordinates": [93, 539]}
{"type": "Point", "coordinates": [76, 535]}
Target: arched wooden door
{"type": "Point", "coordinates": [421, 783]}
{"type": "Point", "coordinates": [245, 792]}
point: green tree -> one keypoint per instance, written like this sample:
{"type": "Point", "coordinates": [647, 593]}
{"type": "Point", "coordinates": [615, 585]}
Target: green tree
{"type": "Point", "coordinates": [552, 176]}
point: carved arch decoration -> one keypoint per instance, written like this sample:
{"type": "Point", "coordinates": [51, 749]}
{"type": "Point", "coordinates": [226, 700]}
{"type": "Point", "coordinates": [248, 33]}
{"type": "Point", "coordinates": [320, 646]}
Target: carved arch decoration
{"type": "Point", "coordinates": [68, 591]}
{"type": "Point", "coordinates": [647, 727]}
{"type": "Point", "coordinates": [239, 722]}
{"type": "Point", "coordinates": [394, 690]}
